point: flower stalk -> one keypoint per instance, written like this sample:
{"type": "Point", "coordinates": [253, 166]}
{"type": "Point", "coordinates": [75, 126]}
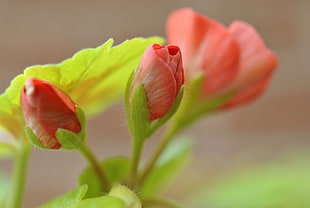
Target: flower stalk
{"type": "Point", "coordinates": [135, 160]}
{"type": "Point", "coordinates": [95, 164]}
{"type": "Point", "coordinates": [169, 134]}
{"type": "Point", "coordinates": [19, 174]}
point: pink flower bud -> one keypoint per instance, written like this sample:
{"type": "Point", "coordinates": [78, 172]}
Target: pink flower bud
{"type": "Point", "coordinates": [47, 109]}
{"type": "Point", "coordinates": [257, 64]}
{"type": "Point", "coordinates": [232, 60]}
{"type": "Point", "coordinates": [161, 74]}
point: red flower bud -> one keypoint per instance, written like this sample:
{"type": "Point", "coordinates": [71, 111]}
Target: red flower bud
{"type": "Point", "coordinates": [47, 109]}
{"type": "Point", "coordinates": [232, 60]}
{"type": "Point", "coordinates": [161, 74]}
{"type": "Point", "coordinates": [257, 64]}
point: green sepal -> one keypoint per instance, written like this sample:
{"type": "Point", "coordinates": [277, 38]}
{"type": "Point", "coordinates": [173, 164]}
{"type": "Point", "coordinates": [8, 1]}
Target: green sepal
{"type": "Point", "coordinates": [126, 195]}
{"type": "Point", "coordinates": [127, 91]}
{"type": "Point", "coordinates": [70, 140]}
{"type": "Point", "coordinates": [193, 91]}
{"type": "Point", "coordinates": [33, 139]}
{"type": "Point", "coordinates": [197, 106]}
{"type": "Point", "coordinates": [138, 113]}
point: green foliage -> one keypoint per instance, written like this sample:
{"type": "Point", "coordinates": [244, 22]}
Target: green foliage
{"type": "Point", "coordinates": [94, 78]}
{"type": "Point", "coordinates": [102, 202]}
{"type": "Point", "coordinates": [170, 163]}
{"type": "Point", "coordinates": [6, 150]}
{"type": "Point", "coordinates": [116, 169]}
{"type": "Point", "coordinates": [69, 200]}
{"type": "Point", "coordinates": [284, 185]}
{"type": "Point", "coordinates": [11, 119]}
{"type": "Point", "coordinates": [4, 187]}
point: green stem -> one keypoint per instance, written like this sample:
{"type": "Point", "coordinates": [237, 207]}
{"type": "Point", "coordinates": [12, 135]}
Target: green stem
{"type": "Point", "coordinates": [135, 160]}
{"type": "Point", "coordinates": [162, 203]}
{"type": "Point", "coordinates": [160, 148]}
{"type": "Point", "coordinates": [95, 164]}
{"type": "Point", "coordinates": [19, 175]}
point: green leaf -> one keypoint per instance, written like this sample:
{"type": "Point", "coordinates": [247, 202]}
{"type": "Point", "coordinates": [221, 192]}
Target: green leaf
{"type": "Point", "coordinates": [284, 185]}
{"type": "Point", "coordinates": [94, 78]}
{"type": "Point", "coordinates": [170, 163]}
{"type": "Point", "coordinates": [69, 200]}
{"type": "Point", "coordinates": [4, 187]}
{"type": "Point", "coordinates": [102, 202]}
{"type": "Point", "coordinates": [116, 169]}
{"type": "Point", "coordinates": [11, 118]}
{"type": "Point", "coordinates": [6, 150]}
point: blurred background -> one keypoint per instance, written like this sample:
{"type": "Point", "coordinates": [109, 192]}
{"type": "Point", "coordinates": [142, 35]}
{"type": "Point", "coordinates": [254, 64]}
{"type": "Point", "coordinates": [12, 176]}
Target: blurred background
{"type": "Point", "coordinates": [274, 130]}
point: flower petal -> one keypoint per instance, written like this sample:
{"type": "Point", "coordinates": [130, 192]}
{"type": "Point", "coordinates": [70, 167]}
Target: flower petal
{"type": "Point", "coordinates": [207, 47]}
{"type": "Point", "coordinates": [257, 62]}
{"type": "Point", "coordinates": [159, 83]}
{"type": "Point", "coordinates": [247, 95]}
{"type": "Point", "coordinates": [186, 29]}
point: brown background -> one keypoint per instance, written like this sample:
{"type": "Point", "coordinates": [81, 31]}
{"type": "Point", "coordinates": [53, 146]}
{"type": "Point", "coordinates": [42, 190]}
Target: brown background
{"type": "Point", "coordinates": [40, 32]}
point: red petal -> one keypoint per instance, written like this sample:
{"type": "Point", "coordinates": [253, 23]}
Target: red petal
{"type": "Point", "coordinates": [33, 123]}
{"type": "Point", "coordinates": [159, 82]}
{"type": "Point", "coordinates": [218, 57]}
{"type": "Point", "coordinates": [186, 29]}
{"type": "Point", "coordinates": [247, 95]}
{"type": "Point", "coordinates": [257, 61]}
{"type": "Point", "coordinates": [206, 46]}
{"type": "Point", "coordinates": [53, 108]}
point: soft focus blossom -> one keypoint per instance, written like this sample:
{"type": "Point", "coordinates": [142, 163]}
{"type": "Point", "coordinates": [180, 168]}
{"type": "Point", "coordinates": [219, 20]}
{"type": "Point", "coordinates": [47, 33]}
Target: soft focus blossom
{"type": "Point", "coordinates": [47, 109]}
{"type": "Point", "coordinates": [232, 60]}
{"type": "Point", "coordinates": [161, 74]}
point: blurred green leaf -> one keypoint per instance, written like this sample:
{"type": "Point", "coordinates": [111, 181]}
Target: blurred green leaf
{"type": "Point", "coordinates": [94, 78]}
{"type": "Point", "coordinates": [11, 119]}
{"type": "Point", "coordinates": [116, 169]}
{"type": "Point", "coordinates": [69, 200]}
{"type": "Point", "coordinates": [284, 185]}
{"type": "Point", "coordinates": [4, 187]}
{"type": "Point", "coordinates": [170, 163]}
{"type": "Point", "coordinates": [102, 202]}
{"type": "Point", "coordinates": [6, 150]}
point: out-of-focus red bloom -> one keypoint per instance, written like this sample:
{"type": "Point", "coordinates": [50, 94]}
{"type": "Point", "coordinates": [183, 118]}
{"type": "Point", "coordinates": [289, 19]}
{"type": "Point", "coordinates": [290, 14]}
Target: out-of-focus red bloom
{"type": "Point", "coordinates": [232, 60]}
{"type": "Point", "coordinates": [47, 109]}
{"type": "Point", "coordinates": [161, 74]}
